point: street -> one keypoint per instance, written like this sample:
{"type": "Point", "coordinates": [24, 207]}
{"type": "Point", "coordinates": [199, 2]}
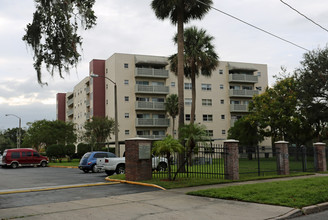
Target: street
{"type": "Point", "coordinates": [34, 178]}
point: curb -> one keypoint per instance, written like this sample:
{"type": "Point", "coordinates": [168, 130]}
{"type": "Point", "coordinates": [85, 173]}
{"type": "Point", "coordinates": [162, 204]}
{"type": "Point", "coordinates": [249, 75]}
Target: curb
{"type": "Point", "coordinates": [291, 214]}
{"type": "Point", "coordinates": [54, 188]}
{"type": "Point", "coordinates": [315, 208]}
{"type": "Point", "coordinates": [135, 183]}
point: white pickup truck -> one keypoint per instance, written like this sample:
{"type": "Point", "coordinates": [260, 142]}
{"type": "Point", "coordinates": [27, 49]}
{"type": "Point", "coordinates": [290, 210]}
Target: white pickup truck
{"type": "Point", "coordinates": [117, 164]}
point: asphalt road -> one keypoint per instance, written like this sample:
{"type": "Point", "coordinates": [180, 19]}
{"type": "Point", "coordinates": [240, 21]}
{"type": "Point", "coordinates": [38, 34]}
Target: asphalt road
{"type": "Point", "coordinates": [315, 216]}
{"type": "Point", "coordinates": [33, 178]}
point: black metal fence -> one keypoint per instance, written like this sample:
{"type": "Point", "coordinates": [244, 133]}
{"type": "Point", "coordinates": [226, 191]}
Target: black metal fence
{"type": "Point", "coordinates": [205, 161]}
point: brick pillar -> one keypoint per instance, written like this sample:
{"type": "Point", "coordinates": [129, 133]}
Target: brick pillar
{"type": "Point", "coordinates": [138, 159]}
{"type": "Point", "coordinates": [282, 157]}
{"type": "Point", "coordinates": [231, 160]}
{"type": "Point", "coordinates": [320, 157]}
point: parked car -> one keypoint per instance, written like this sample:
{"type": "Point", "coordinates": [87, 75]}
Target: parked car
{"type": "Point", "coordinates": [89, 160]}
{"type": "Point", "coordinates": [0, 159]}
{"type": "Point", "coordinates": [23, 157]}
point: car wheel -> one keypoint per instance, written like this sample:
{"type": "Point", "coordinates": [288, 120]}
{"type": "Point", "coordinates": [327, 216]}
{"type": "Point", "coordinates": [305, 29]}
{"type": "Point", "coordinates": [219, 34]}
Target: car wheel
{"type": "Point", "coordinates": [43, 164]}
{"type": "Point", "coordinates": [162, 166]}
{"type": "Point", "coordinates": [120, 169]}
{"type": "Point", "coordinates": [85, 170]}
{"type": "Point", "coordinates": [14, 165]}
{"type": "Point", "coordinates": [94, 169]}
{"type": "Point", "coordinates": [109, 172]}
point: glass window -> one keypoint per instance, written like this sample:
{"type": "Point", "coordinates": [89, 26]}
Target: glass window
{"type": "Point", "coordinates": [221, 86]}
{"type": "Point", "coordinates": [126, 65]}
{"type": "Point", "coordinates": [222, 101]}
{"type": "Point", "coordinates": [127, 132]}
{"type": "Point", "coordinates": [126, 82]}
{"type": "Point", "coordinates": [188, 101]}
{"type": "Point", "coordinates": [222, 116]}
{"type": "Point", "coordinates": [126, 115]}
{"type": "Point", "coordinates": [223, 131]}
{"type": "Point", "coordinates": [207, 87]}
{"type": "Point", "coordinates": [207, 102]}
{"type": "Point", "coordinates": [187, 117]}
{"type": "Point", "coordinates": [172, 84]}
{"type": "Point", "coordinates": [207, 117]}
{"type": "Point", "coordinates": [258, 73]}
{"type": "Point", "coordinates": [188, 86]}
{"type": "Point", "coordinates": [209, 133]}
{"type": "Point", "coordinates": [126, 98]}
{"type": "Point", "coordinates": [142, 83]}
{"type": "Point", "coordinates": [157, 99]}
{"type": "Point", "coordinates": [221, 71]}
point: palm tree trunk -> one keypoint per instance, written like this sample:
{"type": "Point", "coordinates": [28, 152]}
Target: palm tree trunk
{"type": "Point", "coordinates": [173, 126]}
{"type": "Point", "coordinates": [181, 71]}
{"type": "Point", "coordinates": [193, 97]}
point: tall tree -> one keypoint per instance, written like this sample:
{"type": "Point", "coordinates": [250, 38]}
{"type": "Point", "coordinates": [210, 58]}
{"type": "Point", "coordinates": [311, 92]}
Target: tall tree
{"type": "Point", "coordinates": [53, 33]}
{"type": "Point", "coordinates": [98, 130]}
{"type": "Point", "coordinates": [46, 133]}
{"type": "Point", "coordinates": [180, 12]}
{"type": "Point", "coordinates": [172, 107]}
{"type": "Point", "coordinates": [199, 58]}
{"type": "Point", "coordinates": [312, 80]}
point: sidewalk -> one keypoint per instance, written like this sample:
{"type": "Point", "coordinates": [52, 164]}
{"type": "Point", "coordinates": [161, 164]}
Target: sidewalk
{"type": "Point", "coordinates": [162, 204]}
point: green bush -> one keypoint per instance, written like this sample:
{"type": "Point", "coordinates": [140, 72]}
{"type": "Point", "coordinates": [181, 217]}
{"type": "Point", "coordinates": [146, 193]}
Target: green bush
{"type": "Point", "coordinates": [56, 151]}
{"type": "Point", "coordinates": [82, 149]}
{"type": "Point", "coordinates": [70, 151]}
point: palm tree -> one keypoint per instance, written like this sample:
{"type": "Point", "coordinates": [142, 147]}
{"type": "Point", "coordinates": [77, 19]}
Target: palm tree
{"type": "Point", "coordinates": [200, 58]}
{"type": "Point", "coordinates": [180, 12]}
{"type": "Point", "coordinates": [171, 106]}
{"type": "Point", "coordinates": [167, 146]}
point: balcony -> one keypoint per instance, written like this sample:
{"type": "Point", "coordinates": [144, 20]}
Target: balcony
{"type": "Point", "coordinates": [151, 72]}
{"type": "Point", "coordinates": [152, 89]}
{"type": "Point", "coordinates": [140, 105]}
{"type": "Point", "coordinates": [87, 103]}
{"type": "Point", "coordinates": [87, 90]}
{"type": "Point", "coordinates": [238, 108]}
{"type": "Point", "coordinates": [70, 102]}
{"type": "Point", "coordinates": [152, 136]}
{"type": "Point", "coordinates": [243, 93]}
{"type": "Point", "coordinates": [243, 78]}
{"type": "Point", "coordinates": [87, 115]}
{"type": "Point", "coordinates": [69, 112]}
{"type": "Point", "coordinates": [152, 122]}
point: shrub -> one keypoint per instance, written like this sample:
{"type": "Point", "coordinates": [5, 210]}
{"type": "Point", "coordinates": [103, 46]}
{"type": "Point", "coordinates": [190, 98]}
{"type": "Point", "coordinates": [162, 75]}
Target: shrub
{"type": "Point", "coordinates": [82, 149]}
{"type": "Point", "coordinates": [70, 151]}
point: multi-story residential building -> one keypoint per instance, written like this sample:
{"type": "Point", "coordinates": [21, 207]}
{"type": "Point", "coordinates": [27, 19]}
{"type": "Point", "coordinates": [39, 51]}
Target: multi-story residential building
{"type": "Point", "coordinates": [143, 82]}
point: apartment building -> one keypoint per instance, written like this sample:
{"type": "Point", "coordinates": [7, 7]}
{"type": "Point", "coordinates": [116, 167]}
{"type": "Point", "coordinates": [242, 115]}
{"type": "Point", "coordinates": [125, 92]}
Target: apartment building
{"type": "Point", "coordinates": [143, 82]}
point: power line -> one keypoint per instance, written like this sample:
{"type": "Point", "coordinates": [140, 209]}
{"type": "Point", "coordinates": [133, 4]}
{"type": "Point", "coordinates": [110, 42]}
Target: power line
{"type": "Point", "coordinates": [260, 29]}
{"type": "Point", "coordinates": [304, 16]}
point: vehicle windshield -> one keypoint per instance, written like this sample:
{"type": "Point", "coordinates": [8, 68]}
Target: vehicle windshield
{"type": "Point", "coordinates": [87, 155]}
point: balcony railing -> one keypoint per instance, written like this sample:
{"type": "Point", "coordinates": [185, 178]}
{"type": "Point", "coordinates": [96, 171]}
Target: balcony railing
{"type": "Point", "coordinates": [87, 90]}
{"type": "Point", "coordinates": [238, 108]}
{"type": "Point", "coordinates": [243, 93]}
{"type": "Point", "coordinates": [87, 103]}
{"type": "Point", "coordinates": [152, 89]}
{"type": "Point", "coordinates": [152, 122]}
{"type": "Point", "coordinates": [141, 105]}
{"type": "Point", "coordinates": [246, 78]}
{"type": "Point", "coordinates": [151, 72]}
{"type": "Point", "coordinates": [87, 115]}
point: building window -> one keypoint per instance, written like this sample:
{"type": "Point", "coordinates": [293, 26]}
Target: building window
{"type": "Point", "coordinates": [126, 115]}
{"type": "Point", "coordinates": [187, 117]}
{"type": "Point", "coordinates": [172, 84]}
{"type": "Point", "coordinates": [207, 102]}
{"type": "Point", "coordinates": [209, 133]}
{"type": "Point", "coordinates": [106, 101]}
{"type": "Point", "coordinates": [126, 82]}
{"type": "Point", "coordinates": [222, 101]}
{"type": "Point", "coordinates": [207, 117]}
{"type": "Point", "coordinates": [126, 98]}
{"type": "Point", "coordinates": [258, 73]}
{"type": "Point", "coordinates": [187, 86]}
{"type": "Point", "coordinates": [126, 65]}
{"type": "Point", "coordinates": [222, 116]}
{"type": "Point", "coordinates": [188, 101]}
{"type": "Point", "coordinates": [106, 70]}
{"type": "Point", "coordinates": [127, 132]}
{"type": "Point", "coordinates": [207, 87]}
{"type": "Point", "coordinates": [221, 86]}
{"type": "Point", "coordinates": [221, 72]}
{"type": "Point", "coordinates": [106, 86]}
{"type": "Point", "coordinates": [223, 131]}
{"type": "Point", "coordinates": [259, 88]}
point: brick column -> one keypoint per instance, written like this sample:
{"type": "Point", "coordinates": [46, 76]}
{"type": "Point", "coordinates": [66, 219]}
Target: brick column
{"type": "Point", "coordinates": [138, 159]}
{"type": "Point", "coordinates": [320, 157]}
{"type": "Point", "coordinates": [231, 160]}
{"type": "Point", "coordinates": [282, 157]}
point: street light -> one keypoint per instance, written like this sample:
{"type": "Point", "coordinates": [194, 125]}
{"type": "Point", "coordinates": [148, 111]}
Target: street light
{"type": "Point", "coordinates": [19, 129]}
{"type": "Point", "coordinates": [117, 149]}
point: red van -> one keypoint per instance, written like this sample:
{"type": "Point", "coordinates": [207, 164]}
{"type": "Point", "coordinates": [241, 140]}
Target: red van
{"type": "Point", "coordinates": [23, 157]}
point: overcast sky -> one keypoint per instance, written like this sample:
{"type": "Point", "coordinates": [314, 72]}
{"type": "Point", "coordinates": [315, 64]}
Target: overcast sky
{"type": "Point", "coordinates": [130, 26]}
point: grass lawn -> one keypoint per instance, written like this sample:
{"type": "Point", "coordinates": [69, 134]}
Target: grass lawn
{"type": "Point", "coordinates": [73, 163]}
{"type": "Point", "coordinates": [293, 193]}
